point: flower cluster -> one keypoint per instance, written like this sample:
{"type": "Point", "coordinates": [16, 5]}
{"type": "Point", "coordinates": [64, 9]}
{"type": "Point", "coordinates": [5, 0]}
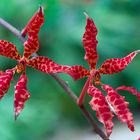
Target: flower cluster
{"type": "Point", "coordinates": [112, 103]}
{"type": "Point", "coordinates": [41, 63]}
{"type": "Point", "coordinates": [105, 106]}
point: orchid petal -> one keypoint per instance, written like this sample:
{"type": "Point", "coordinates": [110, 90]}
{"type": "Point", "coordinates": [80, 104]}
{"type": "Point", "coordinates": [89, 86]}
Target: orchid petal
{"type": "Point", "coordinates": [115, 65]}
{"type": "Point", "coordinates": [5, 79]}
{"type": "Point", "coordinates": [77, 72]}
{"type": "Point", "coordinates": [131, 90]}
{"type": "Point", "coordinates": [46, 65]}
{"type": "Point", "coordinates": [103, 112]}
{"type": "Point", "coordinates": [31, 45]}
{"type": "Point", "coordinates": [9, 50]}
{"type": "Point", "coordinates": [120, 106]}
{"type": "Point", "coordinates": [90, 42]}
{"type": "Point", "coordinates": [34, 22]}
{"type": "Point", "coordinates": [21, 94]}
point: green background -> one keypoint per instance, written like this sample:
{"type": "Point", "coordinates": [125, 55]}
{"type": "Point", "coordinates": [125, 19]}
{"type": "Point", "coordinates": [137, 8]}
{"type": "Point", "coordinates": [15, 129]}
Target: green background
{"type": "Point", "coordinates": [49, 109]}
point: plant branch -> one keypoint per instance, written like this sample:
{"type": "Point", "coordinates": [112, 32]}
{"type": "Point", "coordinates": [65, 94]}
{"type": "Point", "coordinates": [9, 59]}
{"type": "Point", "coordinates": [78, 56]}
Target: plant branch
{"type": "Point", "coordinates": [61, 82]}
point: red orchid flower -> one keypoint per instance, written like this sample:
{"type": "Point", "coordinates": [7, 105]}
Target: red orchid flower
{"type": "Point", "coordinates": [41, 63]}
{"type": "Point", "coordinates": [104, 106]}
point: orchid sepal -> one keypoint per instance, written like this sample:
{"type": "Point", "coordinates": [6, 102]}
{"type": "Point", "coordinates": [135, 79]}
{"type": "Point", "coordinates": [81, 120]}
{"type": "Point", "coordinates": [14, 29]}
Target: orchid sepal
{"type": "Point", "coordinates": [120, 106]}
{"type": "Point", "coordinates": [132, 90]}
{"type": "Point", "coordinates": [9, 50]}
{"type": "Point", "coordinates": [90, 42]}
{"type": "Point", "coordinates": [103, 112]}
{"type": "Point", "coordinates": [21, 94]}
{"type": "Point", "coordinates": [46, 65]}
{"type": "Point", "coordinates": [115, 65]}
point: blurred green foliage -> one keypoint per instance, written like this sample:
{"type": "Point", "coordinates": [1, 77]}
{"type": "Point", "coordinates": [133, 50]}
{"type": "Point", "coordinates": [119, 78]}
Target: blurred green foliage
{"type": "Point", "coordinates": [61, 39]}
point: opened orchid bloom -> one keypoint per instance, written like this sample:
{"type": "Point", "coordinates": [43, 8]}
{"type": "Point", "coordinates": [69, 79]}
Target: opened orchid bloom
{"type": "Point", "coordinates": [41, 63]}
{"type": "Point", "coordinates": [112, 103]}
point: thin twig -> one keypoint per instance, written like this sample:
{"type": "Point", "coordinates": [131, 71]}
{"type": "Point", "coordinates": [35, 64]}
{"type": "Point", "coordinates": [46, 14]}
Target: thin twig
{"type": "Point", "coordinates": [61, 82]}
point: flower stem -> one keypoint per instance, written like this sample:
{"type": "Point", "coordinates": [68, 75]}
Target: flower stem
{"type": "Point", "coordinates": [83, 92]}
{"type": "Point", "coordinates": [85, 88]}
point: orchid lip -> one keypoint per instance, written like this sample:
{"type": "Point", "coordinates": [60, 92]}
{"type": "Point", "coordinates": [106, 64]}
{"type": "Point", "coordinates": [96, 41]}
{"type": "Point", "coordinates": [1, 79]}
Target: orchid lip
{"type": "Point", "coordinates": [21, 66]}
{"type": "Point", "coordinates": [96, 77]}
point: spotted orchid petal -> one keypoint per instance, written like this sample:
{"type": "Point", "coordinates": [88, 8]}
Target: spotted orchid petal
{"type": "Point", "coordinates": [77, 72]}
{"type": "Point", "coordinates": [120, 106]}
{"type": "Point", "coordinates": [115, 65]}
{"type": "Point", "coordinates": [46, 65]}
{"type": "Point", "coordinates": [103, 112]}
{"type": "Point", "coordinates": [31, 45]}
{"type": "Point", "coordinates": [37, 18]}
{"type": "Point", "coordinates": [21, 94]}
{"type": "Point", "coordinates": [90, 42]}
{"type": "Point", "coordinates": [5, 79]}
{"type": "Point", "coordinates": [9, 50]}
{"type": "Point", "coordinates": [131, 90]}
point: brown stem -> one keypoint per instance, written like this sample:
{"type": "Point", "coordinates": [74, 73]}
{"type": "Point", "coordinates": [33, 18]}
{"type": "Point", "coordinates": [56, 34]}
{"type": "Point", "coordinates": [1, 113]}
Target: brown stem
{"type": "Point", "coordinates": [93, 123]}
{"type": "Point", "coordinates": [61, 82]}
